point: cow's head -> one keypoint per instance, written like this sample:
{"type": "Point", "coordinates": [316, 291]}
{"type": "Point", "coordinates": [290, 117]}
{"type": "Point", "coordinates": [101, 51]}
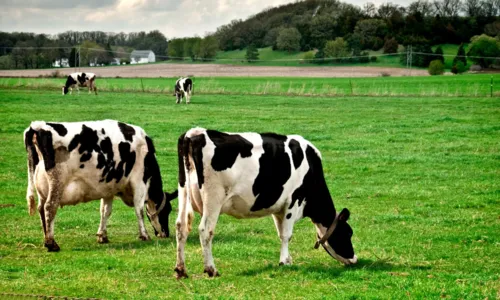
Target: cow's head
{"type": "Point", "coordinates": [64, 90]}
{"type": "Point", "coordinates": [158, 215]}
{"type": "Point", "coordinates": [339, 244]}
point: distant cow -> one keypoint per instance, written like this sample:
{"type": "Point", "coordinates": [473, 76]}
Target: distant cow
{"type": "Point", "coordinates": [71, 163]}
{"type": "Point", "coordinates": [80, 80]}
{"type": "Point", "coordinates": [249, 175]}
{"type": "Point", "coordinates": [183, 88]}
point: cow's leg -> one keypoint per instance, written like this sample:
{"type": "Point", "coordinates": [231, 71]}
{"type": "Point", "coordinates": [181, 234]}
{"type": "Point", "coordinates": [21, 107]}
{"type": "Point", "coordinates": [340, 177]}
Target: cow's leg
{"type": "Point", "coordinates": [206, 230]}
{"type": "Point", "coordinates": [106, 208]}
{"type": "Point", "coordinates": [50, 210]}
{"type": "Point", "coordinates": [41, 211]}
{"type": "Point", "coordinates": [284, 226]}
{"type": "Point", "coordinates": [182, 228]}
{"type": "Point", "coordinates": [178, 98]}
{"type": "Point", "coordinates": [188, 97]}
{"type": "Point", "coordinates": [139, 200]}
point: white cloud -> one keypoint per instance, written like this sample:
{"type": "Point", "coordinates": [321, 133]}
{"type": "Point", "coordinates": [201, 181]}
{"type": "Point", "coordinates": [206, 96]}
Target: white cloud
{"type": "Point", "coordinates": [175, 18]}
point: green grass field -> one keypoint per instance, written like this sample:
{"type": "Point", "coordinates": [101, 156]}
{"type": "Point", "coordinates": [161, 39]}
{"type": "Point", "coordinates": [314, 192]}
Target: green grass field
{"type": "Point", "coordinates": [420, 175]}
{"type": "Point", "coordinates": [474, 85]}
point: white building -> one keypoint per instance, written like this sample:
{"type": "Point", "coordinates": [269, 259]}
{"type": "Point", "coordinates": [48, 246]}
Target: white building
{"type": "Point", "coordinates": [61, 63]}
{"type": "Point", "coordinates": [142, 56]}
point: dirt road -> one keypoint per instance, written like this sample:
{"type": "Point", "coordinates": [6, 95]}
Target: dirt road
{"type": "Point", "coordinates": [215, 70]}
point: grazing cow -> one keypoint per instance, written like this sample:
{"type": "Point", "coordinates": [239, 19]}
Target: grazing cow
{"type": "Point", "coordinates": [79, 80]}
{"type": "Point", "coordinates": [71, 163]}
{"type": "Point", "coordinates": [250, 175]}
{"type": "Point", "coordinates": [183, 88]}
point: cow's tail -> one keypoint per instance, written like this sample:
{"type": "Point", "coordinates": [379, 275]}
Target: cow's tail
{"type": "Point", "coordinates": [33, 160]}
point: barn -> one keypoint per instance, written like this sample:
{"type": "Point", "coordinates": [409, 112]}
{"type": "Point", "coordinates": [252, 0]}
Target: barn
{"type": "Point", "coordinates": [142, 57]}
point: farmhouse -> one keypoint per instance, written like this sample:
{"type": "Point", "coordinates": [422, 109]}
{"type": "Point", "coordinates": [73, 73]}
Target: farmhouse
{"type": "Point", "coordinates": [142, 56]}
{"type": "Point", "coordinates": [61, 63]}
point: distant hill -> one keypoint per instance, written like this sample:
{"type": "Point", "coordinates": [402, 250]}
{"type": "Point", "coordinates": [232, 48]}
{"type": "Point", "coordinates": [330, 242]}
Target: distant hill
{"type": "Point", "coordinates": [318, 21]}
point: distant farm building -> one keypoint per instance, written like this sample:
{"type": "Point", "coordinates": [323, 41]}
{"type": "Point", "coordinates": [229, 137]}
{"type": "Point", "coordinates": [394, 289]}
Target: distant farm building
{"type": "Point", "coordinates": [142, 57]}
{"type": "Point", "coordinates": [61, 63]}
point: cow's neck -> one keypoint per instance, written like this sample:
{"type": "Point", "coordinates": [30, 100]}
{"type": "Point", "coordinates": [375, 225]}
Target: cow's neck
{"type": "Point", "coordinates": [320, 209]}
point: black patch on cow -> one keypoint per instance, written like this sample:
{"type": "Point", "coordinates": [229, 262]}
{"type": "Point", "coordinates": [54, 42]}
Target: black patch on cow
{"type": "Point", "coordinates": [81, 78]}
{"type": "Point", "coordinates": [44, 141]}
{"type": "Point", "coordinates": [70, 81]}
{"type": "Point", "coordinates": [319, 204]}
{"type": "Point", "coordinates": [127, 157]}
{"type": "Point", "coordinates": [127, 131]}
{"type": "Point", "coordinates": [197, 144]}
{"type": "Point", "coordinates": [297, 154]}
{"type": "Point", "coordinates": [103, 132]}
{"type": "Point", "coordinates": [81, 166]}
{"type": "Point", "coordinates": [288, 215]}
{"type": "Point", "coordinates": [87, 139]}
{"type": "Point", "coordinates": [152, 173]}
{"type": "Point", "coordinates": [180, 160]}
{"type": "Point", "coordinates": [30, 148]}
{"type": "Point", "coordinates": [187, 85]}
{"type": "Point", "coordinates": [274, 172]}
{"type": "Point", "coordinates": [59, 128]}
{"type": "Point", "coordinates": [86, 157]}
{"type": "Point", "coordinates": [227, 149]}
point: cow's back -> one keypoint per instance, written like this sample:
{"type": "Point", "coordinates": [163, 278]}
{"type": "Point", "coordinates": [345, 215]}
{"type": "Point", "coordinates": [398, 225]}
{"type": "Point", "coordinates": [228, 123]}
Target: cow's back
{"type": "Point", "coordinates": [260, 172]}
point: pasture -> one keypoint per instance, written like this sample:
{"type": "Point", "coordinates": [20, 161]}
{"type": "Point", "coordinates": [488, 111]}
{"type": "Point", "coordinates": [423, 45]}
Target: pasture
{"type": "Point", "coordinates": [419, 173]}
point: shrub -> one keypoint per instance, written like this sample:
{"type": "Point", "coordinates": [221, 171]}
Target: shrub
{"type": "Point", "coordinates": [436, 67]}
{"type": "Point", "coordinates": [390, 46]}
{"type": "Point", "coordinates": [308, 57]}
{"type": "Point", "coordinates": [373, 58]}
{"type": "Point", "coordinates": [458, 68]}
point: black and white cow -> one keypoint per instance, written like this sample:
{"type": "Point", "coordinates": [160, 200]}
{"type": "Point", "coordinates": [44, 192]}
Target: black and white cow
{"type": "Point", "coordinates": [71, 163]}
{"type": "Point", "coordinates": [248, 175]}
{"type": "Point", "coordinates": [183, 88]}
{"type": "Point", "coordinates": [79, 80]}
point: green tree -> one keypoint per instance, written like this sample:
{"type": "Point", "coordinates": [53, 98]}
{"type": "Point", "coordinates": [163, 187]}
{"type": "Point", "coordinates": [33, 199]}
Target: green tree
{"type": "Point", "coordinates": [208, 48]}
{"type": "Point", "coordinates": [436, 67]}
{"type": "Point", "coordinates": [438, 54]}
{"type": "Point", "coordinates": [73, 58]}
{"type": "Point", "coordinates": [176, 49]}
{"type": "Point", "coordinates": [460, 56]}
{"type": "Point", "coordinates": [289, 39]}
{"type": "Point", "coordinates": [482, 50]}
{"type": "Point", "coordinates": [458, 68]}
{"type": "Point", "coordinates": [252, 53]}
{"type": "Point", "coordinates": [391, 46]}
{"type": "Point", "coordinates": [337, 48]}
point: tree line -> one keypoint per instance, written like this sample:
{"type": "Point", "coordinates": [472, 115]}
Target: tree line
{"type": "Point", "coordinates": [309, 24]}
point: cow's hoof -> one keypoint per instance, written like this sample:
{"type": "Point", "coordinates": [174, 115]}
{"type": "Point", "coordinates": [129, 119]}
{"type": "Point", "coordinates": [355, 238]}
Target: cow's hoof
{"type": "Point", "coordinates": [211, 271]}
{"type": "Point", "coordinates": [144, 238]}
{"type": "Point", "coordinates": [162, 235]}
{"type": "Point", "coordinates": [52, 246]}
{"type": "Point", "coordinates": [287, 262]}
{"type": "Point", "coordinates": [180, 273]}
{"type": "Point", "coordinates": [102, 239]}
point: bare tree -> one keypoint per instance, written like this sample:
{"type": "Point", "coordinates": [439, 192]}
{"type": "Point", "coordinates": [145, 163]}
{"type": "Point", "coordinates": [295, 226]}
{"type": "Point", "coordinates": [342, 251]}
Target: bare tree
{"type": "Point", "coordinates": [491, 7]}
{"type": "Point", "coordinates": [473, 8]}
{"type": "Point", "coordinates": [448, 8]}
{"type": "Point", "coordinates": [369, 9]}
{"type": "Point", "coordinates": [424, 7]}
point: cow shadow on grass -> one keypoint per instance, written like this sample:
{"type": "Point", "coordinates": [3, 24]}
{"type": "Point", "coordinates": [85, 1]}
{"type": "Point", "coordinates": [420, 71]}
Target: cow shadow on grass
{"type": "Point", "coordinates": [332, 269]}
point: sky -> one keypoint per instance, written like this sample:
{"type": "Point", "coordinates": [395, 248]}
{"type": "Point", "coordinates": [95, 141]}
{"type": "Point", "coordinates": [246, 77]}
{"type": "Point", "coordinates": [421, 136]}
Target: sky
{"type": "Point", "coordinates": [179, 18]}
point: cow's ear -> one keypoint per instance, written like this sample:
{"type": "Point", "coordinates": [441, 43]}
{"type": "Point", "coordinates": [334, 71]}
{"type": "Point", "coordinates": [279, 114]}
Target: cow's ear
{"type": "Point", "coordinates": [344, 215]}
